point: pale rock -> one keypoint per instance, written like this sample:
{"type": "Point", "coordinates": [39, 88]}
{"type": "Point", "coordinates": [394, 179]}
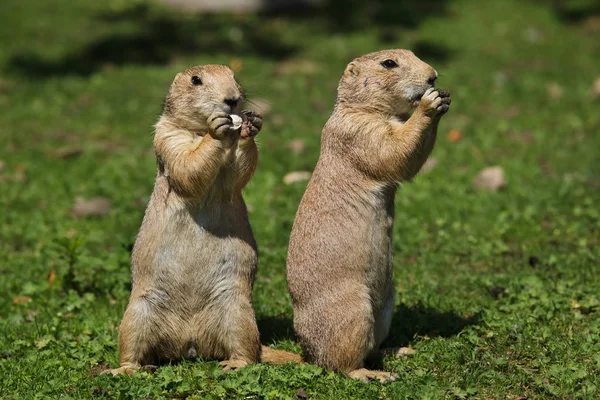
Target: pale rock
{"type": "Point", "coordinates": [429, 165]}
{"type": "Point", "coordinates": [296, 176]}
{"type": "Point", "coordinates": [490, 178]}
{"type": "Point", "coordinates": [297, 146]}
{"type": "Point", "coordinates": [95, 207]}
{"type": "Point", "coordinates": [261, 106]}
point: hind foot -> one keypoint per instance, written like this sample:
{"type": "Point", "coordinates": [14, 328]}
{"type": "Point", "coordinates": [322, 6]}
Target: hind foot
{"type": "Point", "coordinates": [367, 375]}
{"type": "Point", "coordinates": [233, 364]}
{"type": "Point", "coordinates": [124, 369]}
{"type": "Point", "coordinates": [396, 352]}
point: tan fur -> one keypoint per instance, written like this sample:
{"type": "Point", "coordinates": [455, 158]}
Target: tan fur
{"type": "Point", "coordinates": [339, 264]}
{"type": "Point", "coordinates": [278, 357]}
{"type": "Point", "coordinates": [194, 260]}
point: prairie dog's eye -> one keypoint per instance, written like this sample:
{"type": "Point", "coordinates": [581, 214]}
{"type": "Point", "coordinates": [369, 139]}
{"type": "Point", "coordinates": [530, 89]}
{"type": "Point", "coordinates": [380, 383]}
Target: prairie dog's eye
{"type": "Point", "coordinates": [389, 64]}
{"type": "Point", "coordinates": [196, 81]}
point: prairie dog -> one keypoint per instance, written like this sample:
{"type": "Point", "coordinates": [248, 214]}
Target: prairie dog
{"type": "Point", "coordinates": [339, 264]}
{"type": "Point", "coordinates": [195, 258]}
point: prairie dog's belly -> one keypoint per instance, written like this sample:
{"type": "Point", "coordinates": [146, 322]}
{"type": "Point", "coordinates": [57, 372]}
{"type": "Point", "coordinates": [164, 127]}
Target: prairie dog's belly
{"type": "Point", "coordinates": [379, 270]}
{"type": "Point", "coordinates": [352, 232]}
{"type": "Point", "coordinates": [199, 259]}
{"type": "Point", "coordinates": [195, 265]}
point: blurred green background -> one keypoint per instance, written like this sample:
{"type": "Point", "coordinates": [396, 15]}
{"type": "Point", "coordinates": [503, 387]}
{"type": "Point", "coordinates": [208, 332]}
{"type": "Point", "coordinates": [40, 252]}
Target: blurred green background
{"type": "Point", "coordinates": [497, 274]}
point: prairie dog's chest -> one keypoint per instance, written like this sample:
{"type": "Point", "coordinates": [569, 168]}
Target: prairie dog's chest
{"type": "Point", "coordinates": [207, 230]}
{"type": "Point", "coordinates": [201, 246]}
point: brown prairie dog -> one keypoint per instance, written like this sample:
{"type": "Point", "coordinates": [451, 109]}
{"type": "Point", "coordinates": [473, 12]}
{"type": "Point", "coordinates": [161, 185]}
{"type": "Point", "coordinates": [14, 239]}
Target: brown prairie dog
{"type": "Point", "coordinates": [194, 259]}
{"type": "Point", "coordinates": [339, 265]}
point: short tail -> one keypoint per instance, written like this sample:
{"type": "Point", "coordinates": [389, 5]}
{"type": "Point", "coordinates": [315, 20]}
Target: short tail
{"type": "Point", "coordinates": [278, 357]}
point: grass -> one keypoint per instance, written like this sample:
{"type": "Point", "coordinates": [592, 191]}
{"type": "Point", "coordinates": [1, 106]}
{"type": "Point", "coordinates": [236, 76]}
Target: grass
{"type": "Point", "coordinates": [499, 292]}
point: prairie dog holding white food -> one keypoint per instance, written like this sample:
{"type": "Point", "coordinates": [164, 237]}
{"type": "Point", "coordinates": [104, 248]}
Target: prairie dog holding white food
{"type": "Point", "coordinates": [195, 258]}
{"type": "Point", "coordinates": [339, 264]}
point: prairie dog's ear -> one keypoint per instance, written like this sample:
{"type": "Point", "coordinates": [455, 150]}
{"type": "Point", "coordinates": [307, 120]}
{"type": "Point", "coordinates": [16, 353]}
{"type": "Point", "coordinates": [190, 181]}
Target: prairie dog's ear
{"type": "Point", "coordinates": [352, 69]}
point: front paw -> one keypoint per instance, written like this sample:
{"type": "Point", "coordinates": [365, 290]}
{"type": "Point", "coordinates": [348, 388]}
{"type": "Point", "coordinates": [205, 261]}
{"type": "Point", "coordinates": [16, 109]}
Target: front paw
{"type": "Point", "coordinates": [220, 126]}
{"type": "Point", "coordinates": [252, 124]}
{"type": "Point", "coordinates": [435, 102]}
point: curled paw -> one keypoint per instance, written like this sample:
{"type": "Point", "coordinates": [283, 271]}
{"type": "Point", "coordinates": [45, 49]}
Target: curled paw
{"type": "Point", "coordinates": [149, 368]}
{"type": "Point", "coordinates": [252, 124]}
{"type": "Point", "coordinates": [435, 102]}
{"type": "Point", "coordinates": [220, 126]}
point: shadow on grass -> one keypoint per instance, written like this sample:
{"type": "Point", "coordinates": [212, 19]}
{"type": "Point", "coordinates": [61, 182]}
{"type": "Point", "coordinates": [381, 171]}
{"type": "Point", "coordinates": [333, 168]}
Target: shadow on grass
{"type": "Point", "coordinates": [141, 34]}
{"type": "Point", "coordinates": [573, 11]}
{"type": "Point", "coordinates": [149, 36]}
{"type": "Point", "coordinates": [419, 320]}
{"type": "Point", "coordinates": [390, 19]}
{"type": "Point", "coordinates": [407, 323]}
{"type": "Point", "coordinates": [354, 15]}
{"type": "Point", "coordinates": [274, 328]}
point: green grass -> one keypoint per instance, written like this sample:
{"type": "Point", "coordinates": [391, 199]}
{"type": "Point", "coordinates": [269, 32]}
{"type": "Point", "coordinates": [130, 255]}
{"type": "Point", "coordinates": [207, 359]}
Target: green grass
{"type": "Point", "coordinates": [499, 293]}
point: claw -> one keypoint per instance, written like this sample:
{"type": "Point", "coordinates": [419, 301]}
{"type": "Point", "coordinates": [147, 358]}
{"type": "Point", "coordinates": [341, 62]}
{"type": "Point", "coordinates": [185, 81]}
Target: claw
{"type": "Point", "coordinates": [221, 125]}
{"type": "Point", "coordinates": [251, 114]}
{"type": "Point", "coordinates": [149, 368]}
{"type": "Point", "coordinates": [366, 375]}
{"type": "Point", "coordinates": [233, 365]}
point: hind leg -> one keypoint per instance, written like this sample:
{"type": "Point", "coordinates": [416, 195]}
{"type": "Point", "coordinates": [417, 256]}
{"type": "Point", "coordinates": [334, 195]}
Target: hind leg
{"type": "Point", "coordinates": [383, 319]}
{"type": "Point", "coordinates": [240, 335]}
{"type": "Point", "coordinates": [382, 328]}
{"type": "Point", "coordinates": [135, 336]}
{"type": "Point", "coordinates": [340, 334]}
{"type": "Point", "coordinates": [335, 333]}
{"type": "Point", "coordinates": [380, 331]}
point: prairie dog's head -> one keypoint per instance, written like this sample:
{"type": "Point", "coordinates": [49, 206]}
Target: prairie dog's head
{"type": "Point", "coordinates": [392, 81]}
{"type": "Point", "coordinates": [199, 91]}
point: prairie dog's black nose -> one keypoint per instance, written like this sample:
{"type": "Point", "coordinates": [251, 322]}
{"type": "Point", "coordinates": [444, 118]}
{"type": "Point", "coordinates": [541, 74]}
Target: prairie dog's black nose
{"type": "Point", "coordinates": [432, 79]}
{"type": "Point", "coordinates": [232, 102]}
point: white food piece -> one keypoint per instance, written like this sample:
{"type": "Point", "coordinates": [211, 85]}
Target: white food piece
{"type": "Point", "coordinates": [237, 121]}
